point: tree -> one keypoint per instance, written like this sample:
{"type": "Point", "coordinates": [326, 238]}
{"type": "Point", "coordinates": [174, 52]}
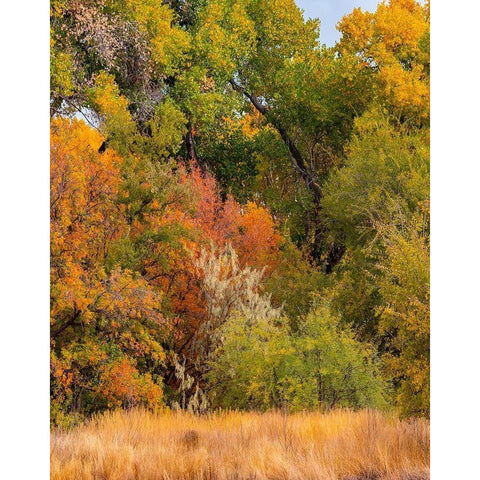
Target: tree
{"type": "Point", "coordinates": [205, 221]}
{"type": "Point", "coordinates": [272, 58]}
{"type": "Point", "coordinates": [106, 325]}
{"type": "Point", "coordinates": [394, 43]}
{"type": "Point", "coordinates": [379, 203]}
{"type": "Point", "coordinates": [386, 172]}
{"type": "Point", "coordinates": [233, 168]}
{"type": "Point", "coordinates": [227, 289]}
{"type": "Point", "coordinates": [405, 314]}
{"type": "Point", "coordinates": [260, 365]}
{"type": "Point", "coordinates": [157, 84]}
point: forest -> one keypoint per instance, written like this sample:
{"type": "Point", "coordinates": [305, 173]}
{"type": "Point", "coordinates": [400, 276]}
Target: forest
{"type": "Point", "coordinates": [239, 214]}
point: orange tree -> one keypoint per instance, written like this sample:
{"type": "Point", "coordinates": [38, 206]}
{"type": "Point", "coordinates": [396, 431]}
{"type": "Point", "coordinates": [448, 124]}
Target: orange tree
{"type": "Point", "coordinates": [206, 220]}
{"type": "Point", "coordinates": [125, 233]}
{"type": "Point", "coordinates": [106, 325]}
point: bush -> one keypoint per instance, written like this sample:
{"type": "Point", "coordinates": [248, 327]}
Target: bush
{"type": "Point", "coordinates": [260, 366]}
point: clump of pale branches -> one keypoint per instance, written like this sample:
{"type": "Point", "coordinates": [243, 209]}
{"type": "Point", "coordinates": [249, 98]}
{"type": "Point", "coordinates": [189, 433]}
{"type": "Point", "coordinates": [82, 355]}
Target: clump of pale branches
{"type": "Point", "coordinates": [228, 289]}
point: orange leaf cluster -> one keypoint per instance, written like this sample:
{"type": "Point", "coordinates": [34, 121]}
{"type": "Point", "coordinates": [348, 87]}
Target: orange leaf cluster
{"type": "Point", "coordinates": [111, 325]}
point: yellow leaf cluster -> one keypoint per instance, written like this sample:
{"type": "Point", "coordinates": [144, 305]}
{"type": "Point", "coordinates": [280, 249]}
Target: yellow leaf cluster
{"type": "Point", "coordinates": [392, 42]}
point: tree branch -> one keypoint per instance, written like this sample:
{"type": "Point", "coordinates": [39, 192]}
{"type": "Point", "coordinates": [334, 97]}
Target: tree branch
{"type": "Point", "coordinates": [191, 150]}
{"type": "Point", "coordinates": [307, 175]}
{"type": "Point", "coordinates": [190, 144]}
{"type": "Point", "coordinates": [70, 322]}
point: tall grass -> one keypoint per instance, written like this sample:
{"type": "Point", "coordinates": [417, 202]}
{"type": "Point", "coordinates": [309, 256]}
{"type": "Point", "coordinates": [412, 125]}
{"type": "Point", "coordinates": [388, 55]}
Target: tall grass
{"type": "Point", "coordinates": [240, 446]}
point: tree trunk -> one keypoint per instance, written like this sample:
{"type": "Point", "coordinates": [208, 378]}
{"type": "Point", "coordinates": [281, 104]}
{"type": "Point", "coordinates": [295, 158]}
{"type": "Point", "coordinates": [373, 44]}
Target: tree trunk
{"type": "Point", "coordinates": [190, 144]}
{"type": "Point", "coordinates": [335, 252]}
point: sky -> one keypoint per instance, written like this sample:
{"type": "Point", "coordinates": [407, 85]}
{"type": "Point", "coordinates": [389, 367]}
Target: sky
{"type": "Point", "coordinates": [330, 12]}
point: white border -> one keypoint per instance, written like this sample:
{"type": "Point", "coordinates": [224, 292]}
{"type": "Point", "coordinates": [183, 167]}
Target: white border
{"type": "Point", "coordinates": [24, 201]}
{"type": "Point", "coordinates": [455, 268]}
{"type": "Point", "coordinates": [24, 401]}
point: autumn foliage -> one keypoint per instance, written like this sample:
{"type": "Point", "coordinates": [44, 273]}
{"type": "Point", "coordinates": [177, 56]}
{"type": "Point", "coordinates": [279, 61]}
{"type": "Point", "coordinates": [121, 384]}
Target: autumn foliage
{"type": "Point", "coordinates": [111, 326]}
{"type": "Point", "coordinates": [239, 214]}
{"type": "Point", "coordinates": [394, 40]}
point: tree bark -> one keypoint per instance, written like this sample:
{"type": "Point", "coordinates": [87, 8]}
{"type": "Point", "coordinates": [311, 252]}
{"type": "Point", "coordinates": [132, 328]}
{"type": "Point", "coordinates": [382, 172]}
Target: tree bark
{"type": "Point", "coordinates": [190, 144]}
{"type": "Point", "coordinates": [191, 150]}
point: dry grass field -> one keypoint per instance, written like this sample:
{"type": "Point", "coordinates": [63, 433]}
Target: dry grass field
{"type": "Point", "coordinates": [339, 445]}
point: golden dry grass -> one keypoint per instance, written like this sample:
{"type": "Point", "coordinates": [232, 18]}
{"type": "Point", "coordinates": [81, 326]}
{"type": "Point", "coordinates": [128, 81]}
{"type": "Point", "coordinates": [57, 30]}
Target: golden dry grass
{"type": "Point", "coordinates": [240, 446]}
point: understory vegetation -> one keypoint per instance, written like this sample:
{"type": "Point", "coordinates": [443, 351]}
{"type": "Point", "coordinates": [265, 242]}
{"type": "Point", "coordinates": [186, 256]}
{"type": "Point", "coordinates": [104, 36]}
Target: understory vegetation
{"type": "Point", "coordinates": [239, 220]}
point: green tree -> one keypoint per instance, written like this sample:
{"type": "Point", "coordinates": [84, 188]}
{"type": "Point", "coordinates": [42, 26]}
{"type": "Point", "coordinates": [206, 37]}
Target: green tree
{"type": "Point", "coordinates": [405, 313]}
{"type": "Point", "coordinates": [385, 180]}
{"type": "Point", "coordinates": [379, 203]}
{"type": "Point", "coordinates": [260, 365]}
